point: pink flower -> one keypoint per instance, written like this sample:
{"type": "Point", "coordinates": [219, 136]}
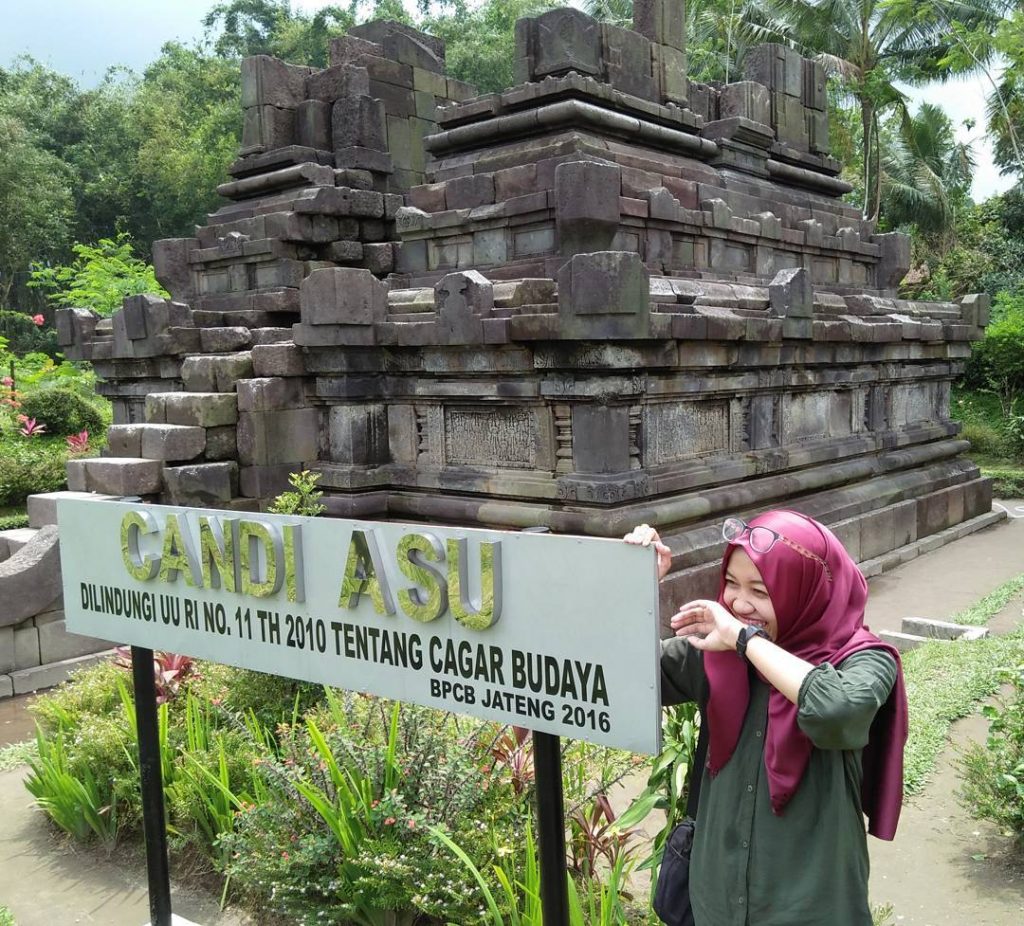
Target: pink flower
{"type": "Point", "coordinates": [390, 821]}
{"type": "Point", "coordinates": [37, 320]}
{"type": "Point", "coordinates": [7, 381]}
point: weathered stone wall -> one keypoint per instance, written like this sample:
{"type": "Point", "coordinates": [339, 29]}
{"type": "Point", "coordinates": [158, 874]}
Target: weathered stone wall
{"type": "Point", "coordinates": [36, 650]}
{"type": "Point", "coordinates": [606, 295]}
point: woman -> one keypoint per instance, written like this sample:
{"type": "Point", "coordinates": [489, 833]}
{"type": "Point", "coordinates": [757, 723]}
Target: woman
{"type": "Point", "coordinates": [807, 717]}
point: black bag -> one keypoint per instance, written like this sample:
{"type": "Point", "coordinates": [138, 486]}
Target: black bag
{"type": "Point", "coordinates": [672, 892]}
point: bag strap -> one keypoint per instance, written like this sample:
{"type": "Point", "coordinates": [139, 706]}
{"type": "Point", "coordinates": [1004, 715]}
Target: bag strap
{"type": "Point", "coordinates": [697, 769]}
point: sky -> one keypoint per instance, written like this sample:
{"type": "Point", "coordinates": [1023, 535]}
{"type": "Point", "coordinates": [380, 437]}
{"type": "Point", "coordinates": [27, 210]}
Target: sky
{"type": "Point", "coordinates": [82, 38]}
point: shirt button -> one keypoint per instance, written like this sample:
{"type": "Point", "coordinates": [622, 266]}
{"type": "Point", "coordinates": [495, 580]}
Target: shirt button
{"type": "Point", "coordinates": [750, 787]}
{"type": "Point", "coordinates": [739, 900]}
{"type": "Point", "coordinates": [758, 734]}
{"type": "Point", "coordinates": [745, 844]}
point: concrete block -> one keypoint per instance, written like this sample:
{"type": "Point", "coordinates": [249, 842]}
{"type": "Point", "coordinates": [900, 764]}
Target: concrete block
{"type": "Point", "coordinates": [57, 643]}
{"type": "Point", "coordinates": [942, 630]}
{"type": "Point", "coordinates": [903, 641]}
{"type": "Point", "coordinates": [25, 681]}
{"type": "Point", "coordinates": [26, 646]}
{"type": "Point", "coordinates": [42, 508]}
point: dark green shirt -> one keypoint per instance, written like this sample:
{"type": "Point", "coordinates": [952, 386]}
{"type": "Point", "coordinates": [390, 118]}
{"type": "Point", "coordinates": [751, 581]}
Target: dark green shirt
{"type": "Point", "coordinates": [808, 866]}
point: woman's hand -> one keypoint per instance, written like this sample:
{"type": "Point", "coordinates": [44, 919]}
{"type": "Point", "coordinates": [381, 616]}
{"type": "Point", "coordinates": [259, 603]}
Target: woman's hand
{"type": "Point", "coordinates": [707, 625]}
{"type": "Point", "coordinates": [644, 536]}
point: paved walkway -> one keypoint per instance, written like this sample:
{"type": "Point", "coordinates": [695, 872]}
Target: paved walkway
{"type": "Point", "coordinates": [942, 870]}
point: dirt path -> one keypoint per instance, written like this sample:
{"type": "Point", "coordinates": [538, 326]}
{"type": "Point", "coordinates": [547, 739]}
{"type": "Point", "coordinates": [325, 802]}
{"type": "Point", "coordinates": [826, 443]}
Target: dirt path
{"type": "Point", "coordinates": [944, 868]}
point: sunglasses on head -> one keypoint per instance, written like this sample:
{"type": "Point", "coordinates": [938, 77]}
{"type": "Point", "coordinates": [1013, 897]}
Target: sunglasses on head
{"type": "Point", "coordinates": [761, 539]}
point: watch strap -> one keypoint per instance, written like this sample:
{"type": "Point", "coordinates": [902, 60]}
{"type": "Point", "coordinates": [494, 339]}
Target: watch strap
{"type": "Point", "coordinates": [746, 634]}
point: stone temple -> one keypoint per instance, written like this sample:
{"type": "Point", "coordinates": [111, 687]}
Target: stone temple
{"type": "Point", "coordinates": [604, 296]}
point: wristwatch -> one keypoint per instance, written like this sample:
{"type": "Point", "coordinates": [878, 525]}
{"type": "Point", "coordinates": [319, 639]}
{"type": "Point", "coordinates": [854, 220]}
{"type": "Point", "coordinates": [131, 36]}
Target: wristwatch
{"type": "Point", "coordinates": [745, 636]}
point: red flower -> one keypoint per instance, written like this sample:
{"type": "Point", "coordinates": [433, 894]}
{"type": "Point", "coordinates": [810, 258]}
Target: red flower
{"type": "Point", "coordinates": [390, 821]}
{"type": "Point", "coordinates": [37, 320]}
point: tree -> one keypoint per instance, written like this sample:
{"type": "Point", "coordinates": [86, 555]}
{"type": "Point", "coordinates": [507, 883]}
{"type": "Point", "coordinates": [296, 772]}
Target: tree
{"type": "Point", "coordinates": [926, 173]}
{"type": "Point", "coordinates": [35, 201]}
{"type": "Point", "coordinates": [870, 45]}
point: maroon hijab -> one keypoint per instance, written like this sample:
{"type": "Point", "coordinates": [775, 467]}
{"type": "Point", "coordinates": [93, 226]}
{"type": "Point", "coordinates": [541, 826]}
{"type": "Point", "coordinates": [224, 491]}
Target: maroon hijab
{"type": "Point", "coordinates": [820, 620]}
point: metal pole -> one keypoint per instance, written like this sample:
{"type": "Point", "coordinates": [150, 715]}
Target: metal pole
{"type": "Point", "coordinates": [153, 826]}
{"type": "Point", "coordinates": [547, 763]}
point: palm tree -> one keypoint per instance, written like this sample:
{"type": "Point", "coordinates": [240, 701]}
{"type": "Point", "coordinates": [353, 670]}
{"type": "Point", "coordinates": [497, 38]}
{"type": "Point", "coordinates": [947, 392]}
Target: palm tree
{"type": "Point", "coordinates": [925, 171]}
{"type": "Point", "coordinates": [870, 45]}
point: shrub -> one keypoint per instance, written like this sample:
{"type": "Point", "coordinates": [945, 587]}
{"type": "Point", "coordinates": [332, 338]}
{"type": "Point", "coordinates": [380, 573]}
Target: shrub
{"type": "Point", "coordinates": [30, 466]}
{"type": "Point", "coordinates": [24, 336]}
{"type": "Point", "coordinates": [998, 358]}
{"type": "Point", "coordinates": [64, 411]}
{"type": "Point", "coordinates": [993, 779]}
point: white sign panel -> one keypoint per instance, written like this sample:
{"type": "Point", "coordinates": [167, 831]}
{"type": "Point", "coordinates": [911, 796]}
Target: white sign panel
{"type": "Point", "coordinates": [554, 633]}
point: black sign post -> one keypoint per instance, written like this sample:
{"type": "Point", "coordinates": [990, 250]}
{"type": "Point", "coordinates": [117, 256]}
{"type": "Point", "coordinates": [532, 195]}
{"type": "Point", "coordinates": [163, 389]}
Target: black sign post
{"type": "Point", "coordinates": [157, 868]}
{"type": "Point", "coordinates": [547, 764]}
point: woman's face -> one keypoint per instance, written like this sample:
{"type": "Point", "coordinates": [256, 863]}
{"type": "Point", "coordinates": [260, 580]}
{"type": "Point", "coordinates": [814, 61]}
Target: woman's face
{"type": "Point", "coordinates": [746, 595]}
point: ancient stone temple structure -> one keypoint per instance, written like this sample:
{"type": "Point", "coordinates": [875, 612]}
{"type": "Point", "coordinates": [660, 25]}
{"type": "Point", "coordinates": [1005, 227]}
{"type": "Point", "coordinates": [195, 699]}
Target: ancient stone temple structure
{"type": "Point", "coordinates": [604, 296]}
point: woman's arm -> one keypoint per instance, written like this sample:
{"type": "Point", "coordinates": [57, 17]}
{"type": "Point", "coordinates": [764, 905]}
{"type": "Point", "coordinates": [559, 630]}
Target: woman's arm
{"type": "Point", "coordinates": [709, 626]}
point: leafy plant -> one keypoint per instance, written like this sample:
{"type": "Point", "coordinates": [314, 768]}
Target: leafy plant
{"type": "Point", "coordinates": [170, 671]}
{"type": "Point", "coordinates": [64, 410]}
{"type": "Point", "coordinates": [79, 803]}
{"type": "Point", "coordinates": [305, 500]}
{"type": "Point", "coordinates": [25, 336]}
{"type": "Point", "coordinates": [28, 467]}
{"type": "Point", "coordinates": [99, 278]}
{"type": "Point", "coordinates": [78, 443]}
{"type": "Point", "coordinates": [993, 774]}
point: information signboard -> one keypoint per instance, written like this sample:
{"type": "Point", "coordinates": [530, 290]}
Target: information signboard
{"type": "Point", "coordinates": [554, 633]}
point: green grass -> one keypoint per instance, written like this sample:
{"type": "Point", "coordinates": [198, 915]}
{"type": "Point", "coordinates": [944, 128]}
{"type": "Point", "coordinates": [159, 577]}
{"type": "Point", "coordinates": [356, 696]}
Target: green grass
{"type": "Point", "coordinates": [988, 607]}
{"type": "Point", "coordinates": [14, 755]}
{"type": "Point", "coordinates": [6, 917]}
{"type": "Point", "coordinates": [1007, 482]}
{"type": "Point", "coordinates": [944, 683]}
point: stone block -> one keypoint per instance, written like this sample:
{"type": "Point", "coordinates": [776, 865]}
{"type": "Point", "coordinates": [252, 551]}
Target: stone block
{"type": "Point", "coordinates": [661, 21]}
{"type": "Point", "coordinates": [348, 50]}
{"type": "Point", "coordinates": [57, 643]}
{"type": "Point", "coordinates": [221, 443]}
{"type": "Point", "coordinates": [282, 436]}
{"type": "Point", "coordinates": [270, 394]}
{"type": "Point", "coordinates": [225, 340]}
{"type": "Point", "coordinates": [342, 296]}
{"type": "Point", "coordinates": [975, 309]}
{"type": "Point", "coordinates": [358, 434]}
{"type": "Point", "coordinates": [600, 438]}
{"type": "Point", "coordinates": [747, 100]}
{"type": "Point", "coordinates": [379, 30]}
{"type": "Point", "coordinates": [283, 359]}
{"type": "Point", "coordinates": [172, 268]}
{"type": "Point", "coordinates": [670, 75]}
{"type": "Point", "coordinates": [26, 647]}
{"type": "Point", "coordinates": [51, 674]}
{"type": "Point", "coordinates": [267, 81]}
{"type": "Point", "coordinates": [463, 300]}
{"type": "Point", "coordinates": [358, 122]}
{"type": "Point", "coordinates": [202, 409]}
{"type": "Point", "coordinates": [265, 481]}
{"type": "Point", "coordinates": [125, 440]}
{"type": "Point", "coordinates": [471, 191]}
{"type": "Point", "coordinates": [76, 326]}
{"type": "Point", "coordinates": [563, 40]}
{"type": "Point", "coordinates": [815, 89]}
{"type": "Point", "coordinates": [123, 476]}
{"type": "Point", "coordinates": [586, 205]}
{"type": "Point", "coordinates": [379, 258]}
{"type": "Point", "coordinates": [791, 294]}
{"type": "Point", "coordinates": [604, 295]}
{"type": "Point", "coordinates": [893, 261]}
{"type": "Point", "coordinates": [627, 59]}
{"type": "Point", "coordinates": [313, 124]}
{"type": "Point", "coordinates": [6, 687]}
{"type": "Point", "coordinates": [406, 49]}
{"type": "Point", "coordinates": [267, 128]}
{"type": "Point", "coordinates": [331, 83]}
{"type": "Point", "coordinates": [172, 442]}
{"type": "Point", "coordinates": [42, 507]}
{"type": "Point", "coordinates": [205, 485]}
{"type": "Point", "coordinates": [30, 579]}
{"type": "Point", "coordinates": [7, 660]}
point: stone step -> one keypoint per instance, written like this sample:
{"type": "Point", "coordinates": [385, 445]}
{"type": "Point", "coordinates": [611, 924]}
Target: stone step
{"type": "Point", "coordinates": [904, 641]}
{"type": "Point", "coordinates": [942, 630]}
{"type": "Point", "coordinates": [225, 340]}
{"type": "Point", "coordinates": [42, 507]}
{"type": "Point", "coordinates": [216, 373]}
{"type": "Point", "coordinates": [116, 476]}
